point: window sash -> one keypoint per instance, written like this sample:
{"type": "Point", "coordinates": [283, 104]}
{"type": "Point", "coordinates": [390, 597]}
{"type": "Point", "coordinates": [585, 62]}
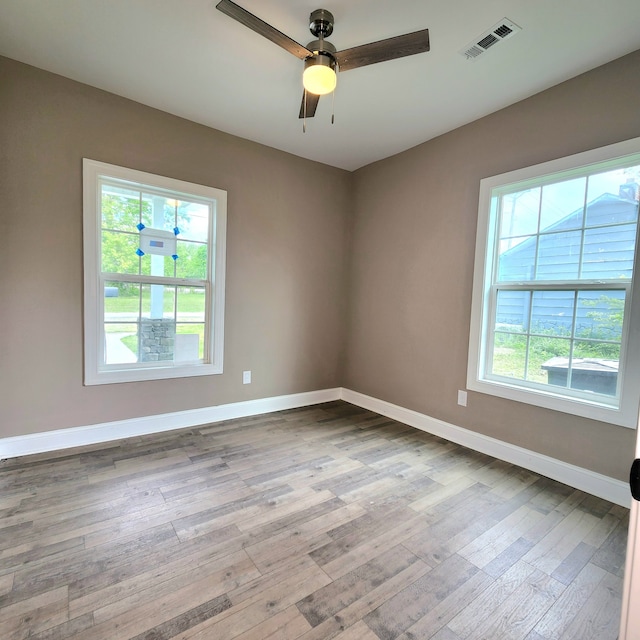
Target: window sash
{"type": "Point", "coordinates": [576, 288]}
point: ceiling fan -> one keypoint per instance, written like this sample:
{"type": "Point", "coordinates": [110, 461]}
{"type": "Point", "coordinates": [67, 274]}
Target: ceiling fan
{"type": "Point", "coordinates": [321, 60]}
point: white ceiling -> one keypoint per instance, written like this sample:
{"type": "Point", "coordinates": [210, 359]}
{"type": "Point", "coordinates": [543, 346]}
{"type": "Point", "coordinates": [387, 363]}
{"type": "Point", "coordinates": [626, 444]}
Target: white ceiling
{"type": "Point", "coordinates": [187, 58]}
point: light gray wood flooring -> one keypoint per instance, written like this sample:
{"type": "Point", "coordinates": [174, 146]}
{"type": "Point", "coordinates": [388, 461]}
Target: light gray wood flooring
{"type": "Point", "coordinates": [316, 523]}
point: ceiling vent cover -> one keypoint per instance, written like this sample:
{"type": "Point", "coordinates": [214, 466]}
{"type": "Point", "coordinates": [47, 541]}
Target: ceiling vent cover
{"type": "Point", "coordinates": [499, 32]}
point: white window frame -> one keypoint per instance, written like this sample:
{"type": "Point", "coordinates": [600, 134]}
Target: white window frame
{"type": "Point", "coordinates": [481, 332]}
{"type": "Point", "coordinates": [95, 371]}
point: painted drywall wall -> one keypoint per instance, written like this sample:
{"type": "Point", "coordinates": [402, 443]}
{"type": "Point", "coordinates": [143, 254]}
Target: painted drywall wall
{"type": "Point", "coordinates": [285, 303]}
{"type": "Point", "coordinates": [413, 252]}
{"type": "Point", "coordinates": [399, 271]}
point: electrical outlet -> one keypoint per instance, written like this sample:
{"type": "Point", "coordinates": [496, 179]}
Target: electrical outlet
{"type": "Point", "coordinates": [462, 398]}
{"type": "Point", "coordinates": [246, 377]}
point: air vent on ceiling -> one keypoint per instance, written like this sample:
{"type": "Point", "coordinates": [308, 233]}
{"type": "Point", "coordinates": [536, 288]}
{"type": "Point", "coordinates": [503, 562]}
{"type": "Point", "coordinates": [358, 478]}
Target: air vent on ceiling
{"type": "Point", "coordinates": [499, 32]}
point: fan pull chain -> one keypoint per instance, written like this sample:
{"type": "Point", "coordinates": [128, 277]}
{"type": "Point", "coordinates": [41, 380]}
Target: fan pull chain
{"type": "Point", "coordinates": [333, 103]}
{"type": "Point", "coordinates": [304, 112]}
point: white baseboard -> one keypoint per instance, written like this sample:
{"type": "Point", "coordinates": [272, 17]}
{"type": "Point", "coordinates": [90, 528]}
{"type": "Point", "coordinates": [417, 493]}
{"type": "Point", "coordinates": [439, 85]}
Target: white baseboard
{"type": "Point", "coordinates": [108, 431]}
{"type": "Point", "coordinates": [596, 484]}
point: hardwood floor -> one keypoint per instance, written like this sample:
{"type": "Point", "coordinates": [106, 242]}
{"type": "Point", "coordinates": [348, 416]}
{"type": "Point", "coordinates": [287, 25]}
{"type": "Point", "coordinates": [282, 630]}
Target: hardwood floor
{"type": "Point", "coordinates": [324, 522]}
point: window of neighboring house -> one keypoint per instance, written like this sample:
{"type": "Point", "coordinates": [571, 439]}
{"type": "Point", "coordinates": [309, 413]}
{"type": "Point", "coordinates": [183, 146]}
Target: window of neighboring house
{"type": "Point", "coordinates": [154, 261]}
{"type": "Point", "coordinates": [555, 315]}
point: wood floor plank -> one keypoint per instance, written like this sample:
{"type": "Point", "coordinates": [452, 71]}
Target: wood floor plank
{"type": "Point", "coordinates": [359, 631]}
{"type": "Point", "coordinates": [201, 559]}
{"type": "Point", "coordinates": [306, 538]}
{"type": "Point", "coordinates": [288, 624]}
{"type": "Point", "coordinates": [600, 615]}
{"type": "Point", "coordinates": [314, 523]}
{"type": "Point", "coordinates": [411, 604]}
{"type": "Point", "coordinates": [481, 609]}
{"type": "Point", "coordinates": [65, 571]}
{"type": "Point", "coordinates": [447, 608]}
{"type": "Point", "coordinates": [6, 583]}
{"type": "Point", "coordinates": [248, 613]}
{"type": "Point", "coordinates": [516, 616]}
{"type": "Point", "coordinates": [355, 584]}
{"type": "Point", "coordinates": [553, 625]}
{"type": "Point", "coordinates": [227, 572]}
{"type": "Point", "coordinates": [487, 546]}
{"type": "Point", "coordinates": [65, 629]}
{"type": "Point", "coordinates": [611, 554]}
{"type": "Point", "coordinates": [552, 550]}
{"type": "Point", "coordinates": [359, 609]}
{"type": "Point", "coordinates": [373, 548]}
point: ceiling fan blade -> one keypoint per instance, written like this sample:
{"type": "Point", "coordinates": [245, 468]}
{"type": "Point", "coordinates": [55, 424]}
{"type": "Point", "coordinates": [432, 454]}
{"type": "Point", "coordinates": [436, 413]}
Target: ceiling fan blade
{"type": "Point", "coordinates": [389, 49]}
{"type": "Point", "coordinates": [260, 26]}
{"type": "Point", "coordinates": [312, 104]}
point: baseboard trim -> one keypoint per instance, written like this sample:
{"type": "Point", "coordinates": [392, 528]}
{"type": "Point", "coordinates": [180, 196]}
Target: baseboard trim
{"type": "Point", "coordinates": [596, 484]}
{"type": "Point", "coordinates": [108, 431]}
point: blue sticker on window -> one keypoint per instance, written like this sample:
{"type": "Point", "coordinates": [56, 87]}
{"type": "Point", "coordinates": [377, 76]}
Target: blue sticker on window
{"type": "Point", "coordinates": [175, 256]}
{"type": "Point", "coordinates": [140, 252]}
{"type": "Point", "coordinates": [176, 230]}
{"type": "Point", "coordinates": [140, 226]}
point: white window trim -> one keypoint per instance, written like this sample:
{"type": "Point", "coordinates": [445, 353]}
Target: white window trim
{"type": "Point", "coordinates": [627, 413]}
{"type": "Point", "coordinates": [94, 298]}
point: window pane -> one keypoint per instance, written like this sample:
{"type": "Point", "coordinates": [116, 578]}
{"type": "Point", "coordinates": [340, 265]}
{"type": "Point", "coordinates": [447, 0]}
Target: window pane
{"type": "Point", "coordinates": [549, 360]}
{"type": "Point", "coordinates": [552, 313]}
{"type": "Point", "coordinates": [119, 252]}
{"type": "Point", "coordinates": [120, 208]}
{"type": "Point", "coordinates": [600, 315]}
{"type": "Point", "coordinates": [160, 212]}
{"type": "Point", "coordinates": [509, 352]}
{"type": "Point", "coordinates": [120, 343]}
{"type": "Point", "coordinates": [192, 260]}
{"type": "Point", "coordinates": [157, 337]}
{"type": "Point", "coordinates": [158, 301]}
{"type": "Point", "coordinates": [613, 197]}
{"type": "Point", "coordinates": [559, 256]}
{"type": "Point", "coordinates": [595, 367]}
{"type": "Point", "coordinates": [608, 252]}
{"type": "Point", "coordinates": [151, 265]}
{"type": "Point", "coordinates": [512, 310]}
{"type": "Point", "coordinates": [190, 341]}
{"type": "Point", "coordinates": [121, 302]}
{"type": "Point", "coordinates": [193, 221]}
{"type": "Point", "coordinates": [517, 259]}
{"type": "Point", "coordinates": [563, 204]}
{"type": "Point", "coordinates": [191, 304]}
{"type": "Point", "coordinates": [519, 215]}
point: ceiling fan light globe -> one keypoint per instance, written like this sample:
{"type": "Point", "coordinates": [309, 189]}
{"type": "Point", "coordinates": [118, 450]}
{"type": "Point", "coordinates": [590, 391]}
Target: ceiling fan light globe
{"type": "Point", "coordinates": [319, 76]}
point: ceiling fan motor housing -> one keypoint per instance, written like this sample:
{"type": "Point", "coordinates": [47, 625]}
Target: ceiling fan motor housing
{"type": "Point", "coordinates": [321, 23]}
{"type": "Point", "coordinates": [322, 47]}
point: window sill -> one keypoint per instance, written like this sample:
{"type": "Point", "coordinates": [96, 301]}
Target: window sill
{"type": "Point", "coordinates": [594, 410]}
{"type": "Point", "coordinates": [114, 375]}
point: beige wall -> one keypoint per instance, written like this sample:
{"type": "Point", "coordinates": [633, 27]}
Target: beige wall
{"type": "Point", "coordinates": [380, 282]}
{"type": "Point", "coordinates": [413, 252]}
{"type": "Point", "coordinates": [285, 305]}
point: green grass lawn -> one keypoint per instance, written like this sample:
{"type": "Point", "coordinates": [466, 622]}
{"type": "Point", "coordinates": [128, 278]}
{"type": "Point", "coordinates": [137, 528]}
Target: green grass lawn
{"type": "Point", "coordinates": [187, 303]}
{"type": "Point", "coordinates": [509, 354]}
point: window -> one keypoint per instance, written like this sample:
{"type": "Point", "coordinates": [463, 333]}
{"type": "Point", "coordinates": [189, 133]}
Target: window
{"type": "Point", "coordinates": [154, 260]}
{"type": "Point", "coordinates": [553, 297]}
